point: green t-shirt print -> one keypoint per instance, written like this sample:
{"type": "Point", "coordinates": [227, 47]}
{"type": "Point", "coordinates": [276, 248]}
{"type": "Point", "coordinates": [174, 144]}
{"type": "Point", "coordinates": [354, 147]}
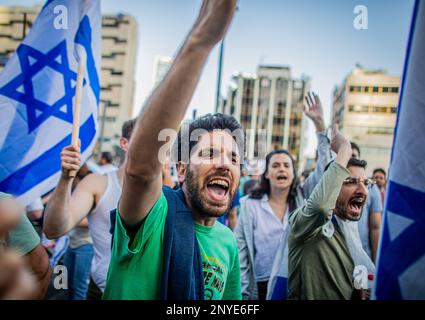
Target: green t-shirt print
{"type": "Point", "coordinates": [220, 262]}
{"type": "Point", "coordinates": [135, 270]}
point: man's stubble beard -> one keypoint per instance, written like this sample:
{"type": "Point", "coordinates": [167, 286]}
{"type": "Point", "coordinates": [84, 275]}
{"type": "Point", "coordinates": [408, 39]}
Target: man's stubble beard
{"type": "Point", "coordinates": [341, 211]}
{"type": "Point", "coordinates": [198, 203]}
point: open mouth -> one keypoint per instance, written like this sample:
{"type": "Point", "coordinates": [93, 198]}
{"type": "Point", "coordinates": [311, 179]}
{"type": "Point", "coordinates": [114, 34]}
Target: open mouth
{"type": "Point", "coordinates": [282, 177]}
{"type": "Point", "coordinates": [218, 189]}
{"type": "Point", "coordinates": [356, 204]}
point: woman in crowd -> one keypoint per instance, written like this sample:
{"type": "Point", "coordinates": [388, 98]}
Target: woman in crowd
{"type": "Point", "coordinates": [263, 225]}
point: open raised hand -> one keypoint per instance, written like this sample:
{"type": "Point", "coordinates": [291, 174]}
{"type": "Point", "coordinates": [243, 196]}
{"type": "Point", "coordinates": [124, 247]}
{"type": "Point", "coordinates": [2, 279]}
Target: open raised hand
{"type": "Point", "coordinates": [313, 109]}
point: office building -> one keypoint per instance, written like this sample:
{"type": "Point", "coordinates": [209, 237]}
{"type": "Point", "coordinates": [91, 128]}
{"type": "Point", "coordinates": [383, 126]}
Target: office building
{"type": "Point", "coordinates": [365, 107]}
{"type": "Point", "coordinates": [269, 105]}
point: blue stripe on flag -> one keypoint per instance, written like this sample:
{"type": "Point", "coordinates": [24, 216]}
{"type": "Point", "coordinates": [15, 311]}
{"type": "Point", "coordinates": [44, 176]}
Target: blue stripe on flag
{"type": "Point", "coordinates": [47, 164]}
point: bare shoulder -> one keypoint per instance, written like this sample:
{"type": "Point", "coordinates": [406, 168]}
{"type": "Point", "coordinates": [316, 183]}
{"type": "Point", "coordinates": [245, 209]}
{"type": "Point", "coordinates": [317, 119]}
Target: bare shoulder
{"type": "Point", "coordinates": [94, 184]}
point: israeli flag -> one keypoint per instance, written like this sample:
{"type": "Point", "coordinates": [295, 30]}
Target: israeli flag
{"type": "Point", "coordinates": [37, 89]}
{"type": "Point", "coordinates": [401, 259]}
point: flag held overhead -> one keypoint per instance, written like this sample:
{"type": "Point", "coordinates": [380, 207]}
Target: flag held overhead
{"type": "Point", "coordinates": [38, 90]}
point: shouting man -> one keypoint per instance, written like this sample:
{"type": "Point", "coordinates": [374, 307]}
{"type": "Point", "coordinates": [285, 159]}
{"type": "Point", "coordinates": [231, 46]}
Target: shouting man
{"type": "Point", "coordinates": [167, 244]}
{"type": "Point", "coordinates": [324, 246]}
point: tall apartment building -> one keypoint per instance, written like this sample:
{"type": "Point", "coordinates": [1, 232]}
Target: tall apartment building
{"type": "Point", "coordinates": [365, 107]}
{"type": "Point", "coordinates": [269, 104]}
{"type": "Point", "coordinates": [119, 46]}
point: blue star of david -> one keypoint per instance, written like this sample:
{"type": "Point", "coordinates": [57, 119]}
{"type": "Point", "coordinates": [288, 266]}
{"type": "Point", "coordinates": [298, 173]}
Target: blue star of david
{"type": "Point", "coordinates": [33, 105]}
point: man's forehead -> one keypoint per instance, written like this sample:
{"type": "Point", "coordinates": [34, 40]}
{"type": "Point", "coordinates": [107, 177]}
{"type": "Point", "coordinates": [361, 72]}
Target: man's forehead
{"type": "Point", "coordinates": [218, 139]}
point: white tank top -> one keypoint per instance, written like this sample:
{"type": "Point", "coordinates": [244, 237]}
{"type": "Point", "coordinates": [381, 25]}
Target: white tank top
{"type": "Point", "coordinates": [99, 225]}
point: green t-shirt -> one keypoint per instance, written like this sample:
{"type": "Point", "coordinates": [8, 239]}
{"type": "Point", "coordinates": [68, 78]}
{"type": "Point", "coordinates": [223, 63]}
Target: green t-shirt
{"type": "Point", "coordinates": [135, 271]}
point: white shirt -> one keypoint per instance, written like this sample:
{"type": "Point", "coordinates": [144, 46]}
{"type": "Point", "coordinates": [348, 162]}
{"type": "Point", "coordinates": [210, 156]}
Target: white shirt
{"type": "Point", "coordinates": [99, 226]}
{"type": "Point", "coordinates": [268, 231]}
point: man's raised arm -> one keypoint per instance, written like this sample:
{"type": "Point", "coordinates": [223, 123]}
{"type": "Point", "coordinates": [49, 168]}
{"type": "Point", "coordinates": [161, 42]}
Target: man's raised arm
{"type": "Point", "coordinates": [166, 108]}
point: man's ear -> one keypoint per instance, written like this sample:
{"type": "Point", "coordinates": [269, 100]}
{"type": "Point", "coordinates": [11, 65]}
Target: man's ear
{"type": "Point", "coordinates": [124, 144]}
{"type": "Point", "coordinates": [181, 171]}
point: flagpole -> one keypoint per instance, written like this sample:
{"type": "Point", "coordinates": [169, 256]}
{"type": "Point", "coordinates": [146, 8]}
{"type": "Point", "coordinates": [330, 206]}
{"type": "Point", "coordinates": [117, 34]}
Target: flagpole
{"type": "Point", "coordinates": [220, 68]}
{"type": "Point", "coordinates": [77, 104]}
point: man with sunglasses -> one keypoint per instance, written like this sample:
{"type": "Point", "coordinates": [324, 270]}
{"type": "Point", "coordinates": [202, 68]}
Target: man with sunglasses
{"type": "Point", "coordinates": [325, 252]}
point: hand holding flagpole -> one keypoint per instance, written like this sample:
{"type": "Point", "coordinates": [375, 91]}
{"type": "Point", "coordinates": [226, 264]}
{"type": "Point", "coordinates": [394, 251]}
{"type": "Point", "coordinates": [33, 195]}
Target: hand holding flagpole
{"type": "Point", "coordinates": [77, 102]}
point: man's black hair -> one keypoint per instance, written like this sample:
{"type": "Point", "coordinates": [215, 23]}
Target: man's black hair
{"type": "Point", "coordinates": [208, 122]}
{"type": "Point", "coordinates": [127, 128]}
{"type": "Point", "coordinates": [379, 170]}
{"type": "Point", "coordinates": [107, 156]}
{"type": "Point", "coordinates": [357, 163]}
{"type": "Point", "coordinates": [351, 163]}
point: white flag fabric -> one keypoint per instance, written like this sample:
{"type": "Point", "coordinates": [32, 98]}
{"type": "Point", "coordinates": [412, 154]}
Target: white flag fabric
{"type": "Point", "coordinates": [37, 89]}
{"type": "Point", "coordinates": [401, 259]}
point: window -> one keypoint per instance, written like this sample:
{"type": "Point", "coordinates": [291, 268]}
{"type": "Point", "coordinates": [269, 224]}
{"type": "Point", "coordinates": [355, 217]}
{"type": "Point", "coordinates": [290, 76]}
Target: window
{"type": "Point", "coordinates": [361, 109]}
{"type": "Point", "coordinates": [385, 90]}
{"type": "Point", "coordinates": [265, 83]}
{"type": "Point", "coordinates": [375, 89]}
{"type": "Point", "coordinates": [393, 109]}
{"type": "Point", "coordinates": [394, 90]}
{"type": "Point", "coordinates": [384, 131]}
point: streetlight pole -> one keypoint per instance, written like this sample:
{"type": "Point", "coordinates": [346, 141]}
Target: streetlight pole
{"type": "Point", "coordinates": [220, 67]}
